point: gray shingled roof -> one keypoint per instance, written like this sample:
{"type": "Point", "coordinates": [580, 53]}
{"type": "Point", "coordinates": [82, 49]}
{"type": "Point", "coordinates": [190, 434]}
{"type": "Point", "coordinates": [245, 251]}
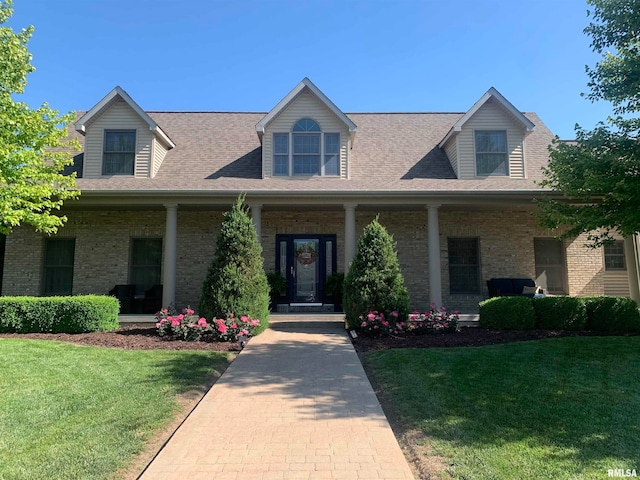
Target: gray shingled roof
{"type": "Point", "coordinates": [393, 152]}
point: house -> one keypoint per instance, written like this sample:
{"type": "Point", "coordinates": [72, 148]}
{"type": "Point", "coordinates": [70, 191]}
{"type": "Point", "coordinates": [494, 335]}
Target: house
{"type": "Point", "coordinates": [455, 189]}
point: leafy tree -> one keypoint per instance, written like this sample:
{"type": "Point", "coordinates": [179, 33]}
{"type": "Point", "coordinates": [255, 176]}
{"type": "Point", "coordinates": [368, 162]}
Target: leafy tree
{"type": "Point", "coordinates": [236, 281]}
{"type": "Point", "coordinates": [374, 281]}
{"type": "Point", "coordinates": [600, 173]}
{"type": "Point", "coordinates": [33, 143]}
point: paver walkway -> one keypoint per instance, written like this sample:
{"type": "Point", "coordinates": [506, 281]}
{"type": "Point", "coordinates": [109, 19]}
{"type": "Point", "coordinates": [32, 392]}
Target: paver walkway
{"type": "Point", "coordinates": [295, 404]}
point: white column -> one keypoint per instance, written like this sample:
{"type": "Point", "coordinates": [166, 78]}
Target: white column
{"type": "Point", "coordinates": [170, 256]}
{"type": "Point", "coordinates": [631, 258]}
{"type": "Point", "coordinates": [349, 234]}
{"type": "Point", "coordinates": [435, 279]}
{"type": "Point", "coordinates": [256, 217]}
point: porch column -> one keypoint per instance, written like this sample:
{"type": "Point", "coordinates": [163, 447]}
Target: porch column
{"type": "Point", "coordinates": [256, 217]}
{"type": "Point", "coordinates": [435, 279]}
{"type": "Point", "coordinates": [632, 258]}
{"type": "Point", "coordinates": [349, 234]}
{"type": "Point", "coordinates": [170, 256]}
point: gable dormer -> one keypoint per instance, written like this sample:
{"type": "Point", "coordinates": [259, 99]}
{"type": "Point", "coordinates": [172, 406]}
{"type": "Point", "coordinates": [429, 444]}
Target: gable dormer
{"type": "Point", "coordinates": [305, 135]}
{"type": "Point", "coordinates": [489, 139]}
{"type": "Point", "coordinates": [121, 139]}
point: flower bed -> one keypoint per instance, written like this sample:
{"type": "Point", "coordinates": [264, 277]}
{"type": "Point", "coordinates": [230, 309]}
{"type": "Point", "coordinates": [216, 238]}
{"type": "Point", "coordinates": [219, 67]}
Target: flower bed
{"type": "Point", "coordinates": [436, 320]}
{"type": "Point", "coordinates": [188, 327]}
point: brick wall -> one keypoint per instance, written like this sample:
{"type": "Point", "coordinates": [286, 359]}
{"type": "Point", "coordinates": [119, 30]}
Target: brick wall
{"type": "Point", "coordinates": [103, 237]}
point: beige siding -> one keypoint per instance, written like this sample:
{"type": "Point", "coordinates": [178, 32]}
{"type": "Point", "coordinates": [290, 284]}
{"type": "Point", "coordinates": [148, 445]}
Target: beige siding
{"type": "Point", "coordinates": [118, 116]}
{"type": "Point", "coordinates": [616, 284]}
{"type": "Point", "coordinates": [491, 116]}
{"type": "Point", "coordinates": [305, 105]}
{"type": "Point", "coordinates": [159, 152]}
{"type": "Point", "coordinates": [451, 148]}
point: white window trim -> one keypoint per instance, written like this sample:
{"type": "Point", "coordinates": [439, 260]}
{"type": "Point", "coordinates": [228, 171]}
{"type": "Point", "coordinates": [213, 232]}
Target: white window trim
{"type": "Point", "coordinates": [475, 153]}
{"type": "Point", "coordinates": [290, 153]}
{"type": "Point", "coordinates": [624, 258]}
{"type": "Point", "coordinates": [135, 151]}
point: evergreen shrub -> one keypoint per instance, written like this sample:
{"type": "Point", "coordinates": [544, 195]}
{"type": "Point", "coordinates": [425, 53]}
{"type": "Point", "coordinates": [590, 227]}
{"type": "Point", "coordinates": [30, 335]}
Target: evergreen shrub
{"type": "Point", "coordinates": [560, 313]}
{"type": "Point", "coordinates": [236, 281]}
{"type": "Point", "coordinates": [374, 282]}
{"type": "Point", "coordinates": [507, 313]}
{"type": "Point", "coordinates": [73, 314]}
{"type": "Point", "coordinates": [612, 314]}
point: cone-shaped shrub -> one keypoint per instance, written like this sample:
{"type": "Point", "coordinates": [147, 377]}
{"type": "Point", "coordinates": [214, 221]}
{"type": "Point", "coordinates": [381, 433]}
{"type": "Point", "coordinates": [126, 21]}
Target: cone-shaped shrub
{"type": "Point", "coordinates": [374, 281]}
{"type": "Point", "coordinates": [236, 282]}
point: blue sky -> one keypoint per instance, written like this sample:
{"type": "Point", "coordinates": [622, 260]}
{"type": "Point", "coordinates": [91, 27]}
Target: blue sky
{"type": "Point", "coordinates": [367, 56]}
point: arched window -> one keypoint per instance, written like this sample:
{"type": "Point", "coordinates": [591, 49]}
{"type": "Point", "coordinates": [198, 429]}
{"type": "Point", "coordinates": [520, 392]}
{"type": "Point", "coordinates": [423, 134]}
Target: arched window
{"type": "Point", "coordinates": [306, 125]}
{"type": "Point", "coordinates": [312, 151]}
{"type": "Point", "coordinates": [306, 147]}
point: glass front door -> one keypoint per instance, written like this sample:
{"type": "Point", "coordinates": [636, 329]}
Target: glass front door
{"type": "Point", "coordinates": [305, 261]}
{"type": "Point", "coordinates": [305, 270]}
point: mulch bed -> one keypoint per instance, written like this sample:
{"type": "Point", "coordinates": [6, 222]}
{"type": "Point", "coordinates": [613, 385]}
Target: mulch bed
{"type": "Point", "coordinates": [146, 338]}
{"type": "Point", "coordinates": [130, 338]}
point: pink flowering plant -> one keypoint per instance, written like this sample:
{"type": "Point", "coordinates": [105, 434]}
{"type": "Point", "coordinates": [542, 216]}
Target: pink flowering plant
{"type": "Point", "coordinates": [234, 329]}
{"type": "Point", "coordinates": [377, 324]}
{"type": "Point", "coordinates": [188, 327]}
{"type": "Point", "coordinates": [185, 326]}
{"type": "Point", "coordinates": [436, 320]}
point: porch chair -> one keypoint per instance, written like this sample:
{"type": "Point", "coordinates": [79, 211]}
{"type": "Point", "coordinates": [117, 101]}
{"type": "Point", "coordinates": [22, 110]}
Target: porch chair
{"type": "Point", "coordinates": [124, 294]}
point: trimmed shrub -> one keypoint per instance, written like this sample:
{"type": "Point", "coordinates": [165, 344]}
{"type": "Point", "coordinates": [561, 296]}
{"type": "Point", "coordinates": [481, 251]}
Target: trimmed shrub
{"type": "Point", "coordinates": [560, 313]}
{"type": "Point", "coordinates": [609, 314]}
{"type": "Point", "coordinates": [236, 281]}
{"type": "Point", "coordinates": [77, 314]}
{"type": "Point", "coordinates": [507, 313]}
{"type": "Point", "coordinates": [374, 281]}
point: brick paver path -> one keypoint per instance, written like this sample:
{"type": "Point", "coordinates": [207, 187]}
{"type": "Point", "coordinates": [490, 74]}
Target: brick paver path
{"type": "Point", "coordinates": [295, 404]}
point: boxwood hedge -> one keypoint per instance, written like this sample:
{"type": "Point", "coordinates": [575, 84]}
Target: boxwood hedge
{"type": "Point", "coordinates": [612, 314]}
{"type": "Point", "coordinates": [560, 313]}
{"type": "Point", "coordinates": [507, 313]}
{"type": "Point", "coordinates": [77, 314]}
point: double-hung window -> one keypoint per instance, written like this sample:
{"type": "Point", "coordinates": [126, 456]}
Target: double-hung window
{"type": "Point", "coordinates": [58, 266]}
{"type": "Point", "coordinates": [464, 265]}
{"type": "Point", "coordinates": [491, 153]}
{"type": "Point", "coordinates": [146, 262]}
{"type": "Point", "coordinates": [306, 148]}
{"type": "Point", "coordinates": [119, 154]}
{"type": "Point", "coordinates": [331, 154]}
{"type": "Point", "coordinates": [306, 151]}
{"type": "Point", "coordinates": [614, 256]}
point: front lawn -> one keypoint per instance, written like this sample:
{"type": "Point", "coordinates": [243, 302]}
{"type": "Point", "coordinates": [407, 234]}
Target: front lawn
{"type": "Point", "coordinates": [561, 408]}
{"type": "Point", "coordinates": [69, 411]}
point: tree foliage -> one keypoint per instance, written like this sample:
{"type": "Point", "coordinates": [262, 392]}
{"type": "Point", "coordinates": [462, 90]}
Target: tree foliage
{"type": "Point", "coordinates": [33, 143]}
{"type": "Point", "coordinates": [236, 281]}
{"type": "Point", "coordinates": [600, 173]}
{"type": "Point", "coordinates": [374, 281]}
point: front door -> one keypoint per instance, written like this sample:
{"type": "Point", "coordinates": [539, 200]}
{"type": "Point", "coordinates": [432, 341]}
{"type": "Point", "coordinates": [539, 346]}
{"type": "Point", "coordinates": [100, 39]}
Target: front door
{"type": "Point", "coordinates": [305, 261]}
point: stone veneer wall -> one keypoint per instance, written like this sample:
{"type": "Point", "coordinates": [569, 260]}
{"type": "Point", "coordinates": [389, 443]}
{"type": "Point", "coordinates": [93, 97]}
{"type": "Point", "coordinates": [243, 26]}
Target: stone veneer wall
{"type": "Point", "coordinates": [102, 249]}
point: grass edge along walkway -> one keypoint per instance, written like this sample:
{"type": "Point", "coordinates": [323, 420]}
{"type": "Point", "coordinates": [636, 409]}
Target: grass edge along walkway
{"type": "Point", "coordinates": [69, 411]}
{"type": "Point", "coordinates": [557, 408]}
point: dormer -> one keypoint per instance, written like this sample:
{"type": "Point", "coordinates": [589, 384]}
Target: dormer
{"type": "Point", "coordinates": [121, 139]}
{"type": "Point", "coordinates": [306, 135]}
{"type": "Point", "coordinates": [489, 139]}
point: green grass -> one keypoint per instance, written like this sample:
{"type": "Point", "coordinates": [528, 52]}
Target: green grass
{"type": "Point", "coordinates": [561, 408]}
{"type": "Point", "coordinates": [69, 411]}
